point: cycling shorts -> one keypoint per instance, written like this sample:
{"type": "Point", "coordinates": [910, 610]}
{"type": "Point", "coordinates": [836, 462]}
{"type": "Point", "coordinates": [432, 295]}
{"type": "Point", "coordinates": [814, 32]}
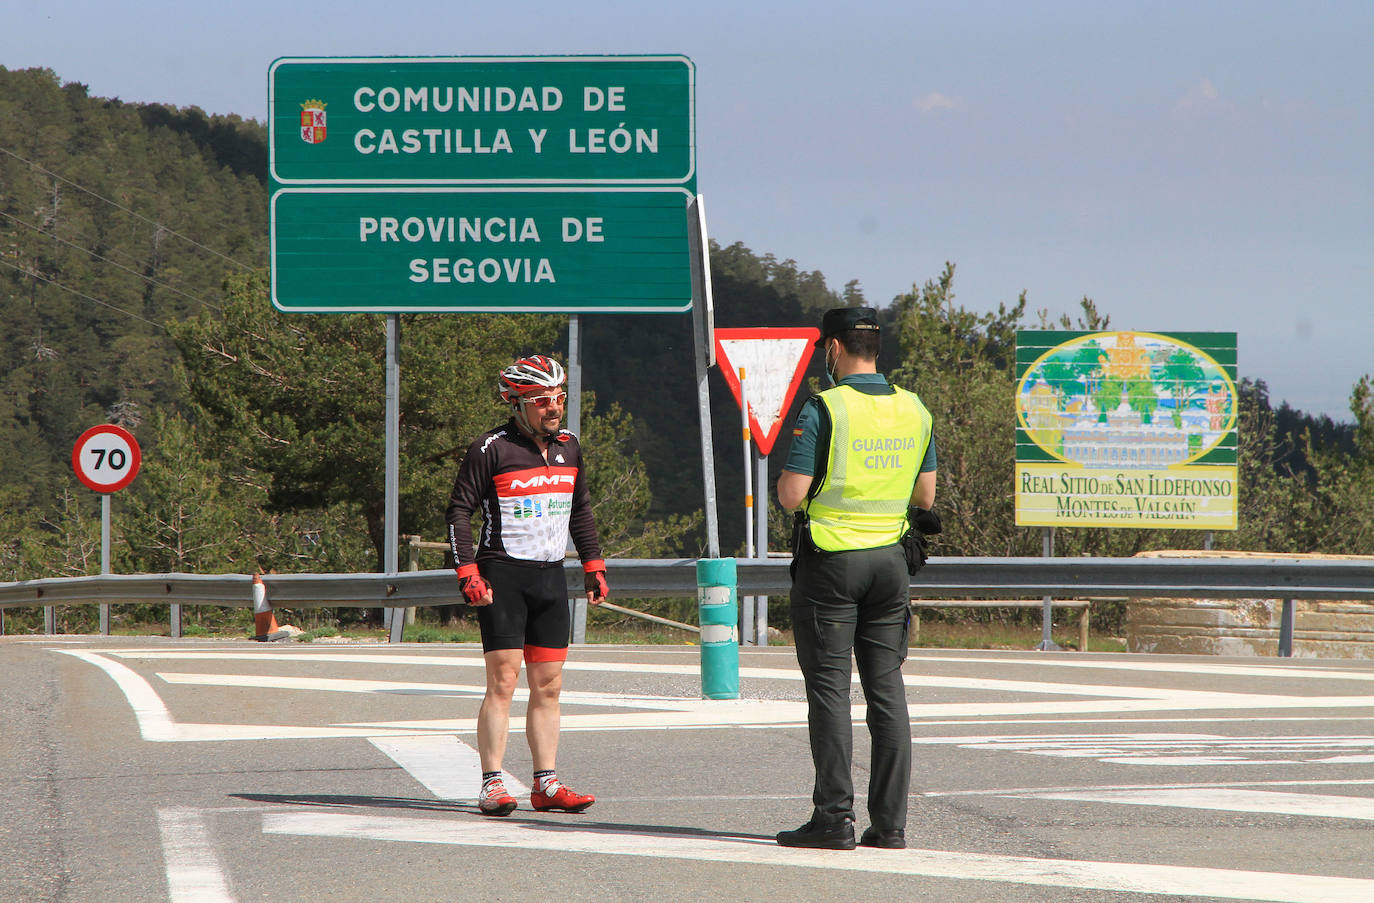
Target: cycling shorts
{"type": "Point", "coordinates": [529, 610]}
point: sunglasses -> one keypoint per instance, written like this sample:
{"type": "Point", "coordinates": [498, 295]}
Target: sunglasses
{"type": "Point", "coordinates": [543, 401]}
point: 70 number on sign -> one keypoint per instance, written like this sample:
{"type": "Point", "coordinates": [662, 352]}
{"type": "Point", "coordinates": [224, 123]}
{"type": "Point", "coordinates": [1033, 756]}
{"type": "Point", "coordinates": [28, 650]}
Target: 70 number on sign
{"type": "Point", "coordinates": [118, 459]}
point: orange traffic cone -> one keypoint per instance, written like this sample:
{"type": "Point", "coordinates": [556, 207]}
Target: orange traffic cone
{"type": "Point", "coordinates": [264, 622]}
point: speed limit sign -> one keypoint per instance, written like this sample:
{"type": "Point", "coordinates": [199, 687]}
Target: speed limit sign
{"type": "Point", "coordinates": [106, 458]}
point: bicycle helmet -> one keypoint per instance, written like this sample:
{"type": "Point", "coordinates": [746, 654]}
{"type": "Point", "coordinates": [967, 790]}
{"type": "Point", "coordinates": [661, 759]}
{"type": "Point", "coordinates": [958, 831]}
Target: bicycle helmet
{"type": "Point", "coordinates": [533, 375]}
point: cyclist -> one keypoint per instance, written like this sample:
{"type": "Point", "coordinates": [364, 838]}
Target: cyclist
{"type": "Point", "coordinates": [526, 479]}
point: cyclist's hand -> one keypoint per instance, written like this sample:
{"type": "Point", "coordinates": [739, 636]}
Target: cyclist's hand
{"type": "Point", "coordinates": [477, 591]}
{"type": "Point", "coordinates": [594, 581]}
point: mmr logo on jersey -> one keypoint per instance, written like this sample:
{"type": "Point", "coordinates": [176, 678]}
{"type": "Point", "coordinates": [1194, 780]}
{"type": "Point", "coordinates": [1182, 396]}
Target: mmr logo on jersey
{"type": "Point", "coordinates": [557, 479]}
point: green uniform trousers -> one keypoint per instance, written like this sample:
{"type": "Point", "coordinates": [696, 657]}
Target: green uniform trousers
{"type": "Point", "coordinates": [843, 603]}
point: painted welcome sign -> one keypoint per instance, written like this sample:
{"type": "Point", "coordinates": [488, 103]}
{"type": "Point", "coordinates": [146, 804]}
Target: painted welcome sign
{"type": "Point", "coordinates": [1126, 429]}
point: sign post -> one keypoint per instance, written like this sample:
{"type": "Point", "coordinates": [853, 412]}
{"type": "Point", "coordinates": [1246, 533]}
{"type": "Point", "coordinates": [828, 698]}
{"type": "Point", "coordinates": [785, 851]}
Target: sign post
{"type": "Point", "coordinates": [703, 339]}
{"type": "Point", "coordinates": [774, 361]}
{"type": "Point", "coordinates": [106, 458]}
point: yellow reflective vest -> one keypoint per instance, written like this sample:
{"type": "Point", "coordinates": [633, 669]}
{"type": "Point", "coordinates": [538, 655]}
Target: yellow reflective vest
{"type": "Point", "coordinates": [877, 443]}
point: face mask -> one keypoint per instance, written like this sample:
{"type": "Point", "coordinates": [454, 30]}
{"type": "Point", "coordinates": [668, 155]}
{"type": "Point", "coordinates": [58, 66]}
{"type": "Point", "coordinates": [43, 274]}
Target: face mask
{"type": "Point", "coordinates": [829, 366]}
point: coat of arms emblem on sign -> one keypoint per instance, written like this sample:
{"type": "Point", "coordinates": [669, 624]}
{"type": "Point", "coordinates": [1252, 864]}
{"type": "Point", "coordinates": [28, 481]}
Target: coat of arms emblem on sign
{"type": "Point", "coordinates": [312, 121]}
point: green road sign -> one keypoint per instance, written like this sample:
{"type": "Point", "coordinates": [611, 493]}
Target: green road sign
{"type": "Point", "coordinates": [511, 250]}
{"type": "Point", "coordinates": [482, 120]}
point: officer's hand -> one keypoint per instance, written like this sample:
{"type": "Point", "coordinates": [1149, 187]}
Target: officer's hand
{"type": "Point", "coordinates": [925, 520]}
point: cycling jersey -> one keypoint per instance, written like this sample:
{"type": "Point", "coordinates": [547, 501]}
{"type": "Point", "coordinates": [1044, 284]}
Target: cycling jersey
{"type": "Point", "coordinates": [529, 505]}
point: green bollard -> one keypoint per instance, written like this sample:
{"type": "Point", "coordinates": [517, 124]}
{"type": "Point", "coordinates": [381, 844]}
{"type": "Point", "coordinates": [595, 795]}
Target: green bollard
{"type": "Point", "coordinates": [719, 618]}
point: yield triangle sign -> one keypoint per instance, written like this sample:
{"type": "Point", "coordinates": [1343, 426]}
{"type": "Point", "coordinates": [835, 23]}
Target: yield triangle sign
{"type": "Point", "coordinates": [773, 361]}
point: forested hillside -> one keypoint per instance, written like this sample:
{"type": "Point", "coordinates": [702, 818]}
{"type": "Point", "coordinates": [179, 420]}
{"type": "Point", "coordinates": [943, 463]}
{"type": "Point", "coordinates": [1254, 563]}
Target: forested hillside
{"type": "Point", "coordinates": [133, 289]}
{"type": "Point", "coordinates": [114, 219]}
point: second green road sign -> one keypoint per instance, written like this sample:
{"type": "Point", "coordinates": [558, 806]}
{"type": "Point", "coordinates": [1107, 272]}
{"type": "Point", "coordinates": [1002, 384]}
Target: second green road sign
{"type": "Point", "coordinates": [543, 250]}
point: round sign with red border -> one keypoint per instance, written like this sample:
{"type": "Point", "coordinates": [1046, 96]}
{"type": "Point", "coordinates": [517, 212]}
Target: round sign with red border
{"type": "Point", "coordinates": [106, 458]}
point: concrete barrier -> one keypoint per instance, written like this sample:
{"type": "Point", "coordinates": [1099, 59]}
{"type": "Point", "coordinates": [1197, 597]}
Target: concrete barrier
{"type": "Point", "coordinates": [1320, 628]}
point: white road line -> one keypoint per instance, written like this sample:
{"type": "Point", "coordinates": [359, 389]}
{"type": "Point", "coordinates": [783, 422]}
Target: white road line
{"type": "Point", "coordinates": [448, 767]}
{"type": "Point", "coordinates": [359, 685]}
{"type": "Point", "coordinates": [471, 657]}
{"type": "Point", "coordinates": [1111, 698]}
{"type": "Point", "coordinates": [1169, 720]}
{"type": "Point", "coordinates": [155, 722]}
{"type": "Point", "coordinates": [662, 711]}
{"type": "Point", "coordinates": [1172, 749]}
{"type": "Point", "coordinates": [1224, 800]}
{"type": "Point", "coordinates": [697, 714]}
{"type": "Point", "coordinates": [1177, 700]}
{"type": "Point", "coordinates": [416, 688]}
{"type": "Point", "coordinates": [193, 870]}
{"type": "Point", "coordinates": [455, 658]}
{"type": "Point", "coordinates": [1170, 667]}
{"type": "Point", "coordinates": [1205, 785]}
{"type": "Point", "coordinates": [1120, 877]}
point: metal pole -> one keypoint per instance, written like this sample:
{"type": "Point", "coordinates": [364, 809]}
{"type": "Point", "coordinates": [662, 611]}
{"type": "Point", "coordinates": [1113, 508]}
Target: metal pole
{"type": "Point", "coordinates": [1047, 612]}
{"type": "Point", "coordinates": [761, 505]}
{"type": "Point", "coordinates": [575, 373]}
{"type": "Point", "coordinates": [1286, 623]}
{"type": "Point", "coordinates": [761, 541]}
{"type": "Point", "coordinates": [577, 605]}
{"type": "Point", "coordinates": [105, 558]}
{"type": "Point", "coordinates": [703, 339]}
{"type": "Point", "coordinates": [748, 470]}
{"type": "Point", "coordinates": [390, 530]}
{"type": "Point", "coordinates": [746, 608]}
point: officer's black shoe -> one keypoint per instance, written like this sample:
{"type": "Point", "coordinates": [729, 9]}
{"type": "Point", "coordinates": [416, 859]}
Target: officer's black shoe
{"type": "Point", "coordinates": [895, 839]}
{"type": "Point", "coordinates": [820, 836]}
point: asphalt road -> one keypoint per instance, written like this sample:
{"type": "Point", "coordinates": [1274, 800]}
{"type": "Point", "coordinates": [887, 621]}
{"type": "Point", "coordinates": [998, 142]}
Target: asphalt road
{"type": "Point", "coordinates": [197, 771]}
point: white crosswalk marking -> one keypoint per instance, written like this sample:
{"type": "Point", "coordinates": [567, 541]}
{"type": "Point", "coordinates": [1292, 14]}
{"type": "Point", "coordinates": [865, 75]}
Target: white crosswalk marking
{"type": "Point", "coordinates": [1175, 749]}
{"type": "Point", "coordinates": [448, 767]}
{"type": "Point", "coordinates": [1228, 800]}
{"type": "Point", "coordinates": [193, 869]}
{"type": "Point", "coordinates": [1122, 877]}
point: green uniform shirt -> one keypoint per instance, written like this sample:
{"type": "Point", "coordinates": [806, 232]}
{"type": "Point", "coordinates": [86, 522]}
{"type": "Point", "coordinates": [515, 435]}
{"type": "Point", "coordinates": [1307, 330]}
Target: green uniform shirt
{"type": "Point", "coordinates": [811, 435]}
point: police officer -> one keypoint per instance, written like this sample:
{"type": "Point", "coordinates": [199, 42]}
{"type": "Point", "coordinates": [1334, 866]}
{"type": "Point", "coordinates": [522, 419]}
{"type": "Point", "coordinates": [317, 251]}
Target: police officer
{"type": "Point", "coordinates": [862, 453]}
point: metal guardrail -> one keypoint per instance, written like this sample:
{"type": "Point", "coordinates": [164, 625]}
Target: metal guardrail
{"type": "Point", "coordinates": [1007, 578]}
{"type": "Point", "coordinates": [1242, 577]}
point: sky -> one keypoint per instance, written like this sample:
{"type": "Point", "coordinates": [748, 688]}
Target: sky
{"type": "Point", "coordinates": [1189, 166]}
